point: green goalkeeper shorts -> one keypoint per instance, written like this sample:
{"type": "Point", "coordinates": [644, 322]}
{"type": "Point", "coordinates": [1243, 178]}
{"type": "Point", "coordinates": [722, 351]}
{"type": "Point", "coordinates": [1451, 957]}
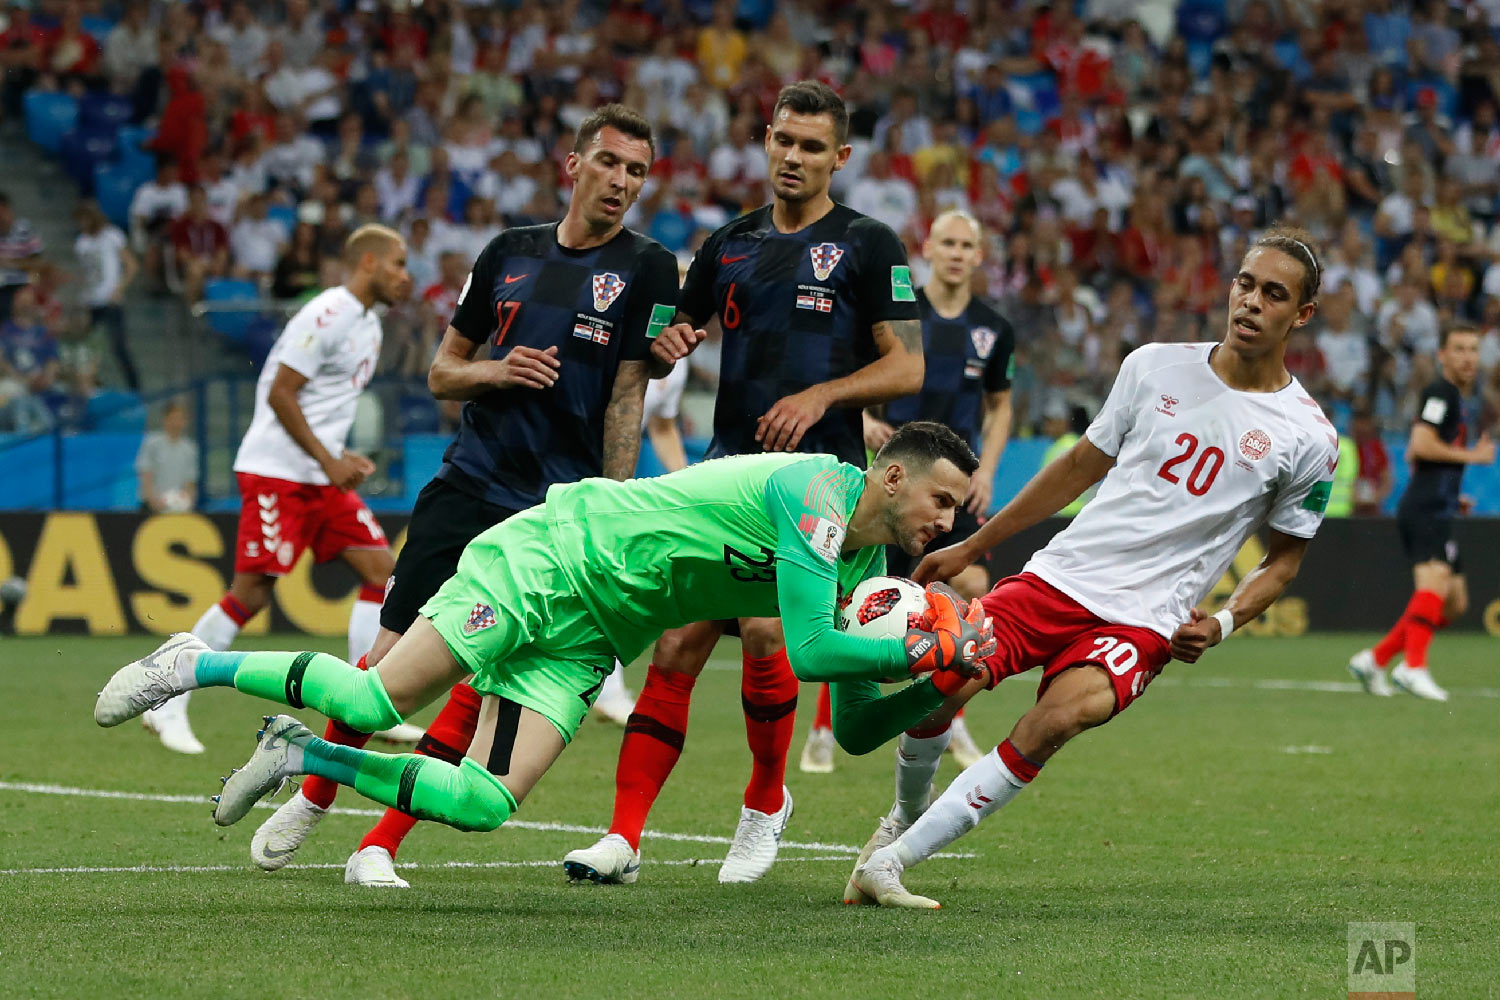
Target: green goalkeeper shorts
{"type": "Point", "coordinates": [510, 614]}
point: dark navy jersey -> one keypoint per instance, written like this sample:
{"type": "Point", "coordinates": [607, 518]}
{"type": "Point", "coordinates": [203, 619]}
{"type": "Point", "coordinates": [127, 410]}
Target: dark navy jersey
{"type": "Point", "coordinates": [967, 356]}
{"type": "Point", "coordinates": [598, 307]}
{"type": "Point", "coordinates": [1434, 486]}
{"type": "Point", "coordinates": [797, 310]}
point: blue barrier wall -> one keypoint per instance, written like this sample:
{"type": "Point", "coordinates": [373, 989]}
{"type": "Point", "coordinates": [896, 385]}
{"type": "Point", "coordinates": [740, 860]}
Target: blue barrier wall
{"type": "Point", "coordinates": [98, 472]}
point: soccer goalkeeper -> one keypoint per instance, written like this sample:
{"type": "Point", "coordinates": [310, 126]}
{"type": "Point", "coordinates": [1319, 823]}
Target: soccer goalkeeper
{"type": "Point", "coordinates": [543, 603]}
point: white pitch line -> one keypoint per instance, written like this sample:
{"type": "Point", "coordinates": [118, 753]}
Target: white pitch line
{"type": "Point", "coordinates": [691, 838]}
{"type": "Point", "coordinates": [1180, 679]}
{"type": "Point", "coordinates": [153, 869]}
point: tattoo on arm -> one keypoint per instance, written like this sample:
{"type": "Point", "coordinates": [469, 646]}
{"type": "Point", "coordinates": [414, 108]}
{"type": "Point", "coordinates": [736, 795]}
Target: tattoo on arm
{"type": "Point", "coordinates": [622, 420]}
{"type": "Point", "coordinates": [906, 332]}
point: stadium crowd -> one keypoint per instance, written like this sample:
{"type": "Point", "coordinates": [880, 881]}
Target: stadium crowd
{"type": "Point", "coordinates": [1120, 155]}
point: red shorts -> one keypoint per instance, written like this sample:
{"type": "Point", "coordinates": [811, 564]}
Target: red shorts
{"type": "Point", "coordinates": [1038, 625]}
{"type": "Point", "coordinates": [280, 518]}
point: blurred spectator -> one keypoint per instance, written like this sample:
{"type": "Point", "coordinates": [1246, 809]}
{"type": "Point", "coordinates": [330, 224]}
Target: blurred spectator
{"type": "Point", "coordinates": [28, 367]}
{"type": "Point", "coordinates": [71, 56]}
{"type": "Point", "coordinates": [131, 48]}
{"type": "Point", "coordinates": [438, 303]}
{"type": "Point", "coordinates": [1407, 322]}
{"type": "Point", "coordinates": [721, 48]}
{"type": "Point", "coordinates": [153, 208]}
{"type": "Point", "coordinates": [1376, 478]}
{"type": "Point", "coordinates": [107, 267]}
{"type": "Point", "coordinates": [396, 187]}
{"type": "Point", "coordinates": [20, 250]}
{"type": "Point", "coordinates": [243, 37]}
{"type": "Point", "coordinates": [167, 465]}
{"type": "Point", "coordinates": [183, 132]}
{"type": "Point", "coordinates": [1344, 340]}
{"type": "Point", "coordinates": [884, 196]}
{"type": "Point", "coordinates": [22, 44]}
{"type": "Point", "coordinates": [200, 246]}
{"type": "Point", "coordinates": [298, 270]}
{"type": "Point", "coordinates": [256, 241]}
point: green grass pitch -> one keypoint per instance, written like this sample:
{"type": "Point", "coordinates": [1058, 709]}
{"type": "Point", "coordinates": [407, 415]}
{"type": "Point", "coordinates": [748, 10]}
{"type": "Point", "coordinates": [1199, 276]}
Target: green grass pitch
{"type": "Point", "coordinates": [1214, 841]}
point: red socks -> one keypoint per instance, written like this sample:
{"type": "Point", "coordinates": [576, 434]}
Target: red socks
{"type": "Point", "coordinates": [321, 791]}
{"type": "Point", "coordinates": [1424, 616]}
{"type": "Point", "coordinates": [1017, 763]}
{"type": "Point", "coordinates": [447, 739]}
{"type": "Point", "coordinates": [768, 693]}
{"type": "Point", "coordinates": [237, 612]}
{"type": "Point", "coordinates": [653, 741]}
{"type": "Point", "coordinates": [823, 717]}
{"type": "Point", "coordinates": [1413, 630]}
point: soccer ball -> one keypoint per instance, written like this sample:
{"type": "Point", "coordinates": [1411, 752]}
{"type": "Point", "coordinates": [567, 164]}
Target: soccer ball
{"type": "Point", "coordinates": [12, 591]}
{"type": "Point", "coordinates": [176, 501]}
{"type": "Point", "coordinates": [882, 606]}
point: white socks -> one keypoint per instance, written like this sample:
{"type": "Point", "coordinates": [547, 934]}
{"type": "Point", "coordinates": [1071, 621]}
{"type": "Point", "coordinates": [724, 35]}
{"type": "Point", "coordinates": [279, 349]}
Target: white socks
{"type": "Point", "coordinates": [978, 791]}
{"type": "Point", "coordinates": [216, 628]}
{"type": "Point", "coordinates": [917, 759]}
{"type": "Point", "coordinates": [364, 625]}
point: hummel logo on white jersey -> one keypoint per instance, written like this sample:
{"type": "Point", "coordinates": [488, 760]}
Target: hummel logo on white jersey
{"type": "Point", "coordinates": [1167, 402]}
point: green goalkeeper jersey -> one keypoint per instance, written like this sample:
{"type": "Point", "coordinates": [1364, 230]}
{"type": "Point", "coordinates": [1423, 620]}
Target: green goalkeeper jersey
{"type": "Point", "coordinates": [753, 536]}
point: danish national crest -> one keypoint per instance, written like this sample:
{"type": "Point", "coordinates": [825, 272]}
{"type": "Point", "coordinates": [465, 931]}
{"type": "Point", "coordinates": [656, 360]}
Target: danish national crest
{"type": "Point", "coordinates": [607, 288]}
{"type": "Point", "coordinates": [825, 257]}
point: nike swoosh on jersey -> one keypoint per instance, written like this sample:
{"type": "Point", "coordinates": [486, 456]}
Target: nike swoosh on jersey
{"type": "Point", "coordinates": [726, 259]}
{"type": "Point", "coordinates": [511, 279]}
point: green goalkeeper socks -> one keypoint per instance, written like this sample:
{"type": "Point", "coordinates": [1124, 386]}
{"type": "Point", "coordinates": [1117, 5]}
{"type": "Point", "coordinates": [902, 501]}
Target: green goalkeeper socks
{"type": "Point", "coordinates": [467, 797]}
{"type": "Point", "coordinates": [312, 680]}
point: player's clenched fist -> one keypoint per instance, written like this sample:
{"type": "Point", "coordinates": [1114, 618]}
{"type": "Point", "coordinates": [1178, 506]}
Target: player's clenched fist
{"type": "Point", "coordinates": [954, 641]}
{"type": "Point", "coordinates": [348, 470]}
{"type": "Point", "coordinates": [529, 367]}
{"type": "Point", "coordinates": [676, 342]}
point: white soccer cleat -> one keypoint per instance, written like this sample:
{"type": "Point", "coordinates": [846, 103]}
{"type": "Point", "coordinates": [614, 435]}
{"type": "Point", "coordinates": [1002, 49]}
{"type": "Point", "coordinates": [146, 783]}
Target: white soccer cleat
{"type": "Point", "coordinates": [401, 732]}
{"type": "Point", "coordinates": [884, 836]}
{"type": "Point", "coordinates": [278, 838]}
{"type": "Point", "coordinates": [270, 765]}
{"type": "Point", "coordinates": [961, 745]}
{"type": "Point", "coordinates": [170, 724]}
{"type": "Point", "coordinates": [616, 701]}
{"type": "Point", "coordinates": [817, 752]}
{"type": "Point", "coordinates": [756, 841]}
{"type": "Point", "coordinates": [1370, 674]}
{"type": "Point", "coordinates": [1417, 682]}
{"type": "Point", "coordinates": [147, 683]}
{"type": "Point", "coordinates": [611, 861]}
{"type": "Point", "coordinates": [880, 878]}
{"type": "Point", "coordinates": [375, 868]}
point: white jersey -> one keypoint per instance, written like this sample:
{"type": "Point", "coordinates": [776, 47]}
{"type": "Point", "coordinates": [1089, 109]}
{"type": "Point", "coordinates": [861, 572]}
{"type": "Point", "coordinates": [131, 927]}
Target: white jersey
{"type": "Point", "coordinates": [1198, 467]}
{"type": "Point", "coordinates": [334, 341]}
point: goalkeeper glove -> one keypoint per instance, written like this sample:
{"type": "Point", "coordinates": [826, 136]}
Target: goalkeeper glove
{"type": "Point", "coordinates": [955, 639]}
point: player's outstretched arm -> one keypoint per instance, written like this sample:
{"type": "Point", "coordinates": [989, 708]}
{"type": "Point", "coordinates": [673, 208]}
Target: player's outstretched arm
{"type": "Point", "coordinates": [1426, 446]}
{"type": "Point", "coordinates": [897, 372]}
{"type": "Point", "coordinates": [456, 374]}
{"type": "Point", "coordinates": [1257, 591]}
{"type": "Point", "coordinates": [622, 420]}
{"type": "Point", "coordinates": [1061, 482]}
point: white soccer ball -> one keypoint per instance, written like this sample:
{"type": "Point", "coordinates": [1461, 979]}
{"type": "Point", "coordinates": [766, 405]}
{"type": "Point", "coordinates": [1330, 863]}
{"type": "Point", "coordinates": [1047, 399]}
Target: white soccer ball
{"type": "Point", "coordinates": [881, 607]}
{"type": "Point", "coordinates": [12, 591]}
{"type": "Point", "coordinates": [176, 501]}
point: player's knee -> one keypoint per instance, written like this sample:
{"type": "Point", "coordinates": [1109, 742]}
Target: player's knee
{"type": "Point", "coordinates": [364, 704]}
{"type": "Point", "coordinates": [683, 651]}
{"type": "Point", "coordinates": [481, 802]}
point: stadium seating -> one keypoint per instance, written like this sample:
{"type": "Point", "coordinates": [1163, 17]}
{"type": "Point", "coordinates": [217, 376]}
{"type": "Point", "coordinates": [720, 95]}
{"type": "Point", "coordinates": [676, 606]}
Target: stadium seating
{"type": "Point", "coordinates": [232, 324]}
{"type": "Point", "coordinates": [49, 116]}
{"type": "Point", "coordinates": [84, 149]}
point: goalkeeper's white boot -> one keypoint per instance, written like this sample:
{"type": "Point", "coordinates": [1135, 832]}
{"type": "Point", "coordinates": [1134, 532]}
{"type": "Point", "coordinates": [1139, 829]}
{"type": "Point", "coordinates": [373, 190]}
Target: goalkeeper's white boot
{"type": "Point", "coordinates": [1369, 673]}
{"type": "Point", "coordinates": [817, 752]}
{"type": "Point", "coordinates": [880, 877]}
{"type": "Point", "coordinates": [277, 756]}
{"type": "Point", "coordinates": [279, 837]}
{"type": "Point", "coordinates": [756, 841]}
{"type": "Point", "coordinates": [886, 832]}
{"type": "Point", "coordinates": [147, 683]}
{"type": "Point", "coordinates": [961, 745]}
{"type": "Point", "coordinates": [401, 732]}
{"type": "Point", "coordinates": [1418, 682]}
{"type": "Point", "coordinates": [374, 868]}
{"type": "Point", "coordinates": [611, 861]}
{"type": "Point", "coordinates": [170, 724]}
